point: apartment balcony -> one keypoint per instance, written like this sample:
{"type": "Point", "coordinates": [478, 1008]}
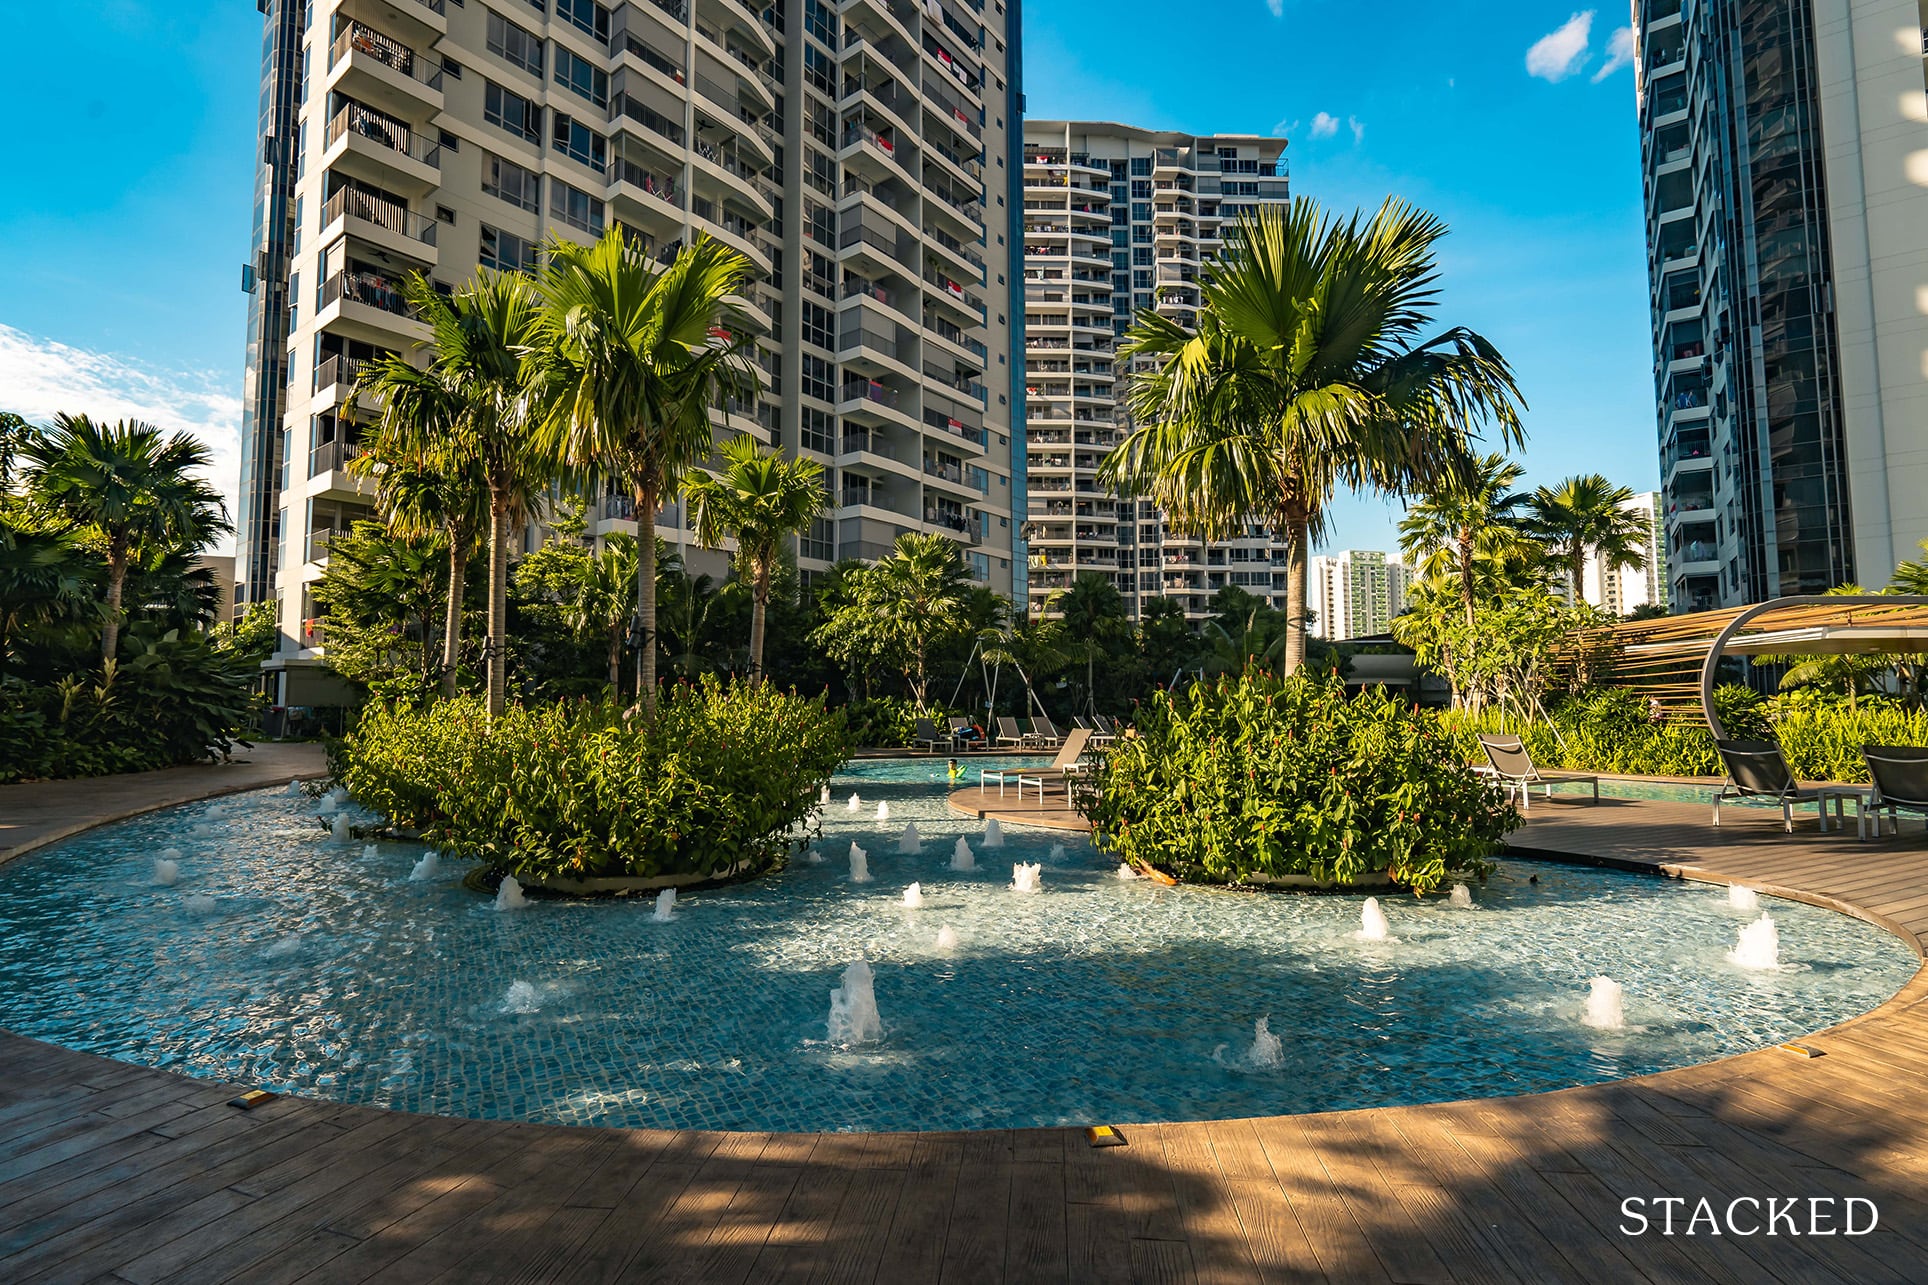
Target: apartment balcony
{"type": "Point", "coordinates": [956, 523]}
{"type": "Point", "coordinates": [876, 449]}
{"type": "Point", "coordinates": [956, 424]}
{"type": "Point", "coordinates": [367, 64]}
{"type": "Point", "coordinates": [875, 248]}
{"type": "Point", "coordinates": [335, 379]}
{"type": "Point", "coordinates": [873, 402]}
{"type": "Point", "coordinates": [381, 222]}
{"type": "Point", "coordinates": [367, 301]}
{"type": "Point", "coordinates": [865, 150]}
{"type": "Point", "coordinates": [870, 344]}
{"type": "Point", "coordinates": [960, 256]}
{"type": "Point", "coordinates": [417, 22]}
{"type": "Point", "coordinates": [971, 391]}
{"type": "Point", "coordinates": [870, 21]}
{"type": "Point", "coordinates": [954, 336]}
{"type": "Point", "coordinates": [949, 108]}
{"type": "Point", "coordinates": [647, 197]}
{"type": "Point", "coordinates": [384, 150]}
{"type": "Point", "coordinates": [734, 16]}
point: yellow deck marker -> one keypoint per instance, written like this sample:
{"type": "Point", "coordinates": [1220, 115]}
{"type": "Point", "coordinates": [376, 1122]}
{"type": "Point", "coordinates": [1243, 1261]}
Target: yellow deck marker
{"type": "Point", "coordinates": [251, 1099]}
{"type": "Point", "coordinates": [1801, 1050]}
{"type": "Point", "coordinates": [1103, 1135]}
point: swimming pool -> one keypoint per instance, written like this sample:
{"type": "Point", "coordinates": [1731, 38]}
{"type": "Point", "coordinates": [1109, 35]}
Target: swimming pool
{"type": "Point", "coordinates": [285, 959]}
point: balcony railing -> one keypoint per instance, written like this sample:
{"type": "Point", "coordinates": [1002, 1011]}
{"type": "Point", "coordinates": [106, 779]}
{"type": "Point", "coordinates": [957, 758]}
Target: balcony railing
{"type": "Point", "coordinates": [657, 185]}
{"type": "Point", "coordinates": [331, 456]}
{"type": "Point", "coordinates": [371, 288]}
{"type": "Point", "coordinates": [382, 128]}
{"type": "Point", "coordinates": [869, 390]}
{"type": "Point", "coordinates": [337, 370]}
{"type": "Point", "coordinates": [360, 38]}
{"type": "Point", "coordinates": [391, 215]}
{"type": "Point", "coordinates": [640, 112]}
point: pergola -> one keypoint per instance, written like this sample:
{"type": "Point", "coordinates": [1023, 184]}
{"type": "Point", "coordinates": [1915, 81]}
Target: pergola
{"type": "Point", "coordinates": [1675, 659]}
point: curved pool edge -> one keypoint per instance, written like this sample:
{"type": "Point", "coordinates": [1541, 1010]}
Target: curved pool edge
{"type": "Point", "coordinates": [1213, 1190]}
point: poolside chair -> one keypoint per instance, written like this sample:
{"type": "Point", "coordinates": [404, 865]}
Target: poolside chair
{"type": "Point", "coordinates": [1900, 776]}
{"type": "Point", "coordinates": [1513, 768]}
{"type": "Point", "coordinates": [1104, 731]}
{"type": "Point", "coordinates": [961, 740]}
{"type": "Point", "coordinates": [1009, 733]}
{"type": "Point", "coordinates": [926, 734]}
{"type": "Point", "coordinates": [1044, 734]}
{"type": "Point", "coordinates": [1757, 770]}
{"type": "Point", "coordinates": [1063, 767]}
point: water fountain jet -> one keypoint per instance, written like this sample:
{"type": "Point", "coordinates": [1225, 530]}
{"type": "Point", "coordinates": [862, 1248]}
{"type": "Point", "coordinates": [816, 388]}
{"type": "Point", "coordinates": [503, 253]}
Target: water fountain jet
{"type": "Point", "coordinates": [993, 834]}
{"type": "Point", "coordinates": [962, 858]}
{"type": "Point", "coordinates": [522, 998]}
{"type": "Point", "coordinates": [665, 906]}
{"type": "Point", "coordinates": [1268, 1050]}
{"type": "Point", "coordinates": [1759, 946]}
{"type": "Point", "coordinates": [855, 803]}
{"type": "Point", "coordinates": [426, 869]}
{"type": "Point", "coordinates": [859, 865]}
{"type": "Point", "coordinates": [1742, 897]}
{"type": "Point", "coordinates": [914, 896]}
{"type": "Point", "coordinates": [1024, 878]}
{"type": "Point", "coordinates": [1462, 897]}
{"type": "Point", "coordinates": [369, 852]}
{"type": "Point", "coordinates": [340, 829]}
{"type": "Point", "coordinates": [909, 843]}
{"type": "Point", "coordinates": [883, 810]}
{"type": "Point", "coordinates": [947, 938]}
{"type": "Point", "coordinates": [853, 1008]}
{"type": "Point", "coordinates": [509, 895]}
{"type": "Point", "coordinates": [1372, 921]}
{"type": "Point", "coordinates": [1606, 1005]}
{"type": "Point", "coordinates": [166, 871]}
{"type": "Point", "coordinates": [1125, 871]}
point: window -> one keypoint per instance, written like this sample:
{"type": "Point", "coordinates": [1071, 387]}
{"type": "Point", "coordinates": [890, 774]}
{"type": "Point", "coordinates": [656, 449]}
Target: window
{"type": "Point", "coordinates": [511, 111]}
{"type": "Point", "coordinates": [513, 45]}
{"type": "Point", "coordinates": [1141, 167]}
{"type": "Point", "coordinates": [821, 22]}
{"type": "Point", "coordinates": [819, 69]}
{"type": "Point", "coordinates": [1141, 189]}
{"type": "Point", "coordinates": [584, 77]}
{"type": "Point", "coordinates": [819, 380]}
{"type": "Point", "coordinates": [819, 431]}
{"type": "Point", "coordinates": [580, 143]}
{"type": "Point", "coordinates": [586, 15]}
{"type": "Point", "coordinates": [819, 326]}
{"type": "Point", "coordinates": [575, 207]}
{"type": "Point", "coordinates": [507, 181]}
{"type": "Point", "coordinates": [507, 252]}
{"type": "Point", "coordinates": [1141, 256]}
{"type": "Point", "coordinates": [1141, 212]}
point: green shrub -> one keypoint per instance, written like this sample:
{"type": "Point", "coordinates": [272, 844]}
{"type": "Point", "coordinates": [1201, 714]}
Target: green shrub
{"type": "Point", "coordinates": [169, 699]}
{"type": "Point", "coordinates": [881, 722]}
{"type": "Point", "coordinates": [712, 786]}
{"type": "Point", "coordinates": [1823, 740]}
{"type": "Point", "coordinates": [1255, 776]}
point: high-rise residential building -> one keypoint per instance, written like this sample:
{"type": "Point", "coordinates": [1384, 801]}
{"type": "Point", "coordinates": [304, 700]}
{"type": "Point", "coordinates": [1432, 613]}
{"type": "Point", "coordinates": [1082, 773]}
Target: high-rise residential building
{"type": "Point", "coordinates": [1356, 593]}
{"type": "Point", "coordinates": [1117, 219]}
{"type": "Point", "coordinates": [1787, 211]}
{"type": "Point", "coordinates": [1621, 590]}
{"type": "Point", "coordinates": [860, 154]}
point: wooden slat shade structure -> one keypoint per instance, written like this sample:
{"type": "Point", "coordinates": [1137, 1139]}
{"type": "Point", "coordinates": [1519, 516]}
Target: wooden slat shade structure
{"type": "Point", "coordinates": [1676, 659]}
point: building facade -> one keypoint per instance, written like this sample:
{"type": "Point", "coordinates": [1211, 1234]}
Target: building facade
{"type": "Point", "coordinates": [1117, 219]}
{"type": "Point", "coordinates": [1785, 148]}
{"type": "Point", "coordinates": [1356, 593]}
{"type": "Point", "coordinates": [860, 154]}
{"type": "Point", "coordinates": [1620, 590]}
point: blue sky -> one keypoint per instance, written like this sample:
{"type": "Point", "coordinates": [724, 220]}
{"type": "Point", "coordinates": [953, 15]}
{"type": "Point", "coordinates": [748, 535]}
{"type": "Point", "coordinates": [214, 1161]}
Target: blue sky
{"type": "Point", "coordinates": [128, 197]}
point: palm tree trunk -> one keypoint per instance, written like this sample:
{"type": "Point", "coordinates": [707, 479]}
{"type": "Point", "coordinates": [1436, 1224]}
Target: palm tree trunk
{"type": "Point", "coordinates": [646, 598]}
{"type": "Point", "coordinates": [116, 583]}
{"type": "Point", "coordinates": [616, 663]}
{"type": "Point", "coordinates": [1297, 535]}
{"type": "Point", "coordinates": [452, 621]}
{"type": "Point", "coordinates": [759, 607]}
{"type": "Point", "coordinates": [498, 604]}
{"type": "Point", "coordinates": [1466, 577]}
{"type": "Point", "coordinates": [1577, 569]}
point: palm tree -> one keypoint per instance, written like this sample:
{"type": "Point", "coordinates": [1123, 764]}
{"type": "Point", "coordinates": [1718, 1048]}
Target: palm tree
{"type": "Point", "coordinates": [1462, 521]}
{"type": "Point", "coordinates": [127, 487]}
{"type": "Point", "coordinates": [1587, 514]}
{"type": "Point", "coordinates": [1307, 372]}
{"type": "Point", "coordinates": [14, 433]}
{"type": "Point", "coordinates": [469, 410]}
{"type": "Point", "coordinates": [630, 361]}
{"type": "Point", "coordinates": [424, 485]}
{"type": "Point", "coordinates": [760, 499]}
{"type": "Point", "coordinates": [900, 610]}
{"type": "Point", "coordinates": [601, 605]}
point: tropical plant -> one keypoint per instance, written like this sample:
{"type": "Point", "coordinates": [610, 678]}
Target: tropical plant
{"type": "Point", "coordinates": [1463, 525]}
{"type": "Point", "coordinates": [601, 608]}
{"type": "Point", "coordinates": [759, 499]}
{"type": "Point", "coordinates": [468, 410]}
{"type": "Point", "coordinates": [127, 488]}
{"type": "Point", "coordinates": [629, 362]}
{"type": "Point", "coordinates": [1503, 657]}
{"type": "Point", "coordinates": [714, 785]}
{"type": "Point", "coordinates": [1587, 514]}
{"type": "Point", "coordinates": [1251, 778]}
{"type": "Point", "coordinates": [426, 482]}
{"type": "Point", "coordinates": [900, 610]}
{"type": "Point", "coordinates": [1307, 372]}
{"type": "Point", "coordinates": [14, 433]}
{"type": "Point", "coordinates": [380, 598]}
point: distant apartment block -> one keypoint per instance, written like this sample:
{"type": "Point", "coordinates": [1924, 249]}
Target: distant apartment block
{"type": "Point", "coordinates": [1786, 169]}
{"type": "Point", "coordinates": [1623, 589]}
{"type": "Point", "coordinates": [859, 153]}
{"type": "Point", "coordinates": [1356, 594]}
{"type": "Point", "coordinates": [1117, 219]}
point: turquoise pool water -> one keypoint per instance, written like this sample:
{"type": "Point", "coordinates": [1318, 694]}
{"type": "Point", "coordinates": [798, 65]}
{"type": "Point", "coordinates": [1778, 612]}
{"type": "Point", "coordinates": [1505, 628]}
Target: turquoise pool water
{"type": "Point", "coordinates": [284, 959]}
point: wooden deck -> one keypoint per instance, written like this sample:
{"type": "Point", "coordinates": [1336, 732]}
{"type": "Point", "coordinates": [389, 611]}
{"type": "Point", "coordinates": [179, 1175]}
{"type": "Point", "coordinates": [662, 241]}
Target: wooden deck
{"type": "Point", "coordinates": [116, 1173]}
{"type": "Point", "coordinates": [1012, 807]}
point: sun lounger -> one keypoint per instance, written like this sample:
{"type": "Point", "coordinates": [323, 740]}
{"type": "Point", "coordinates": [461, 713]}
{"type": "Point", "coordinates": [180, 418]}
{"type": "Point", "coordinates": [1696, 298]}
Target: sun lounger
{"type": "Point", "coordinates": [1900, 777]}
{"type": "Point", "coordinates": [1513, 767]}
{"type": "Point", "coordinates": [925, 734]}
{"type": "Point", "coordinates": [1757, 770]}
{"type": "Point", "coordinates": [1009, 733]}
{"type": "Point", "coordinates": [1064, 765]}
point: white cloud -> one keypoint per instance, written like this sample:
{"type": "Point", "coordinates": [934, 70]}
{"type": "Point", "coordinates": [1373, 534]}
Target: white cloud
{"type": "Point", "coordinates": [1619, 53]}
{"type": "Point", "coordinates": [1325, 125]}
{"type": "Point", "coordinates": [1560, 53]}
{"type": "Point", "coordinates": [41, 377]}
{"type": "Point", "coordinates": [1358, 128]}
{"type": "Point", "coordinates": [1285, 128]}
{"type": "Point", "coordinates": [1277, 7]}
